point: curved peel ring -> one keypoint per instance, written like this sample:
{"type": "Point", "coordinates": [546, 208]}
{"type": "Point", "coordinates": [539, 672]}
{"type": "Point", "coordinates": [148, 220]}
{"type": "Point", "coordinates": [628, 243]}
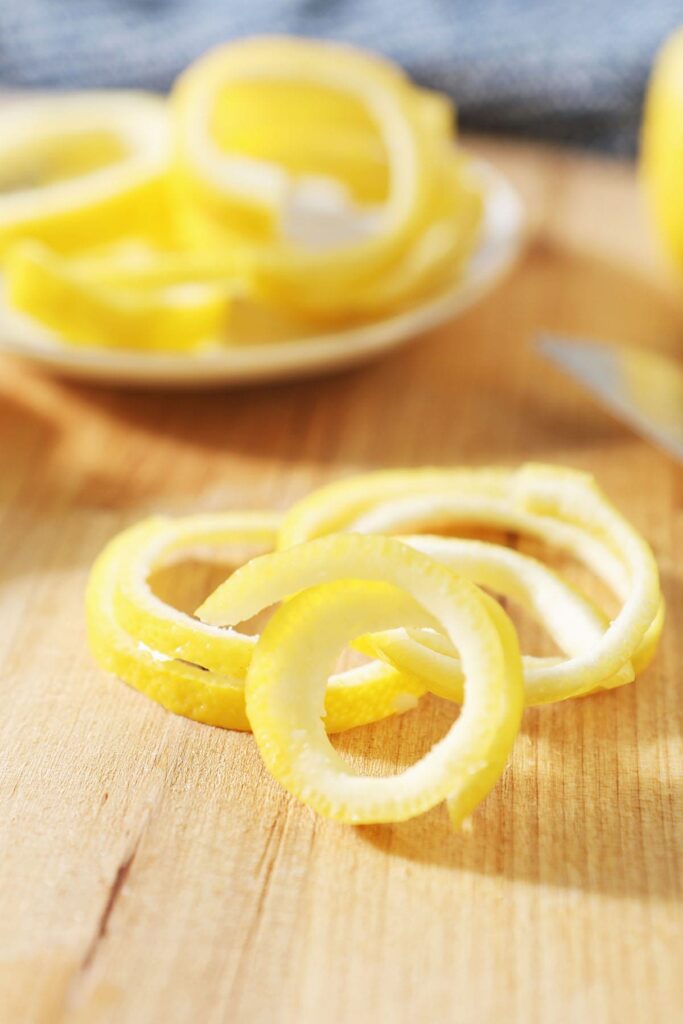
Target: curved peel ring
{"type": "Point", "coordinates": [238, 204]}
{"type": "Point", "coordinates": [573, 622]}
{"type": "Point", "coordinates": [197, 670]}
{"type": "Point", "coordinates": [82, 169]}
{"type": "Point", "coordinates": [633, 634]}
{"type": "Point", "coordinates": [561, 507]}
{"type": "Point", "coordinates": [349, 584]}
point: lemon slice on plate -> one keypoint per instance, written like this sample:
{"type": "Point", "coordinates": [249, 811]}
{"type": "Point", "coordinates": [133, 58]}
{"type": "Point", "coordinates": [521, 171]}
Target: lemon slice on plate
{"type": "Point", "coordinates": [78, 170]}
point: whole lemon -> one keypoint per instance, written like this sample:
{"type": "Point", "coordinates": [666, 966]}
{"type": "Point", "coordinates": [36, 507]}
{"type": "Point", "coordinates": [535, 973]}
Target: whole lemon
{"type": "Point", "coordinates": [662, 145]}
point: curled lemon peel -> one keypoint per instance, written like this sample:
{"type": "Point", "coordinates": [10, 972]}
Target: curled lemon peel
{"type": "Point", "coordinates": [331, 508]}
{"type": "Point", "coordinates": [414, 601]}
{"type": "Point", "coordinates": [634, 631]}
{"type": "Point", "coordinates": [61, 295]}
{"type": "Point", "coordinates": [316, 132]}
{"type": "Point", "coordinates": [239, 203]}
{"type": "Point", "coordinates": [350, 584]}
{"type": "Point", "coordinates": [222, 178]}
{"type": "Point", "coordinates": [310, 179]}
{"type": "Point", "coordinates": [182, 688]}
{"type": "Point", "coordinates": [573, 622]}
{"type": "Point", "coordinates": [164, 628]}
{"type": "Point", "coordinates": [561, 507]}
{"type": "Point", "coordinates": [192, 669]}
{"type": "Point", "coordinates": [81, 169]}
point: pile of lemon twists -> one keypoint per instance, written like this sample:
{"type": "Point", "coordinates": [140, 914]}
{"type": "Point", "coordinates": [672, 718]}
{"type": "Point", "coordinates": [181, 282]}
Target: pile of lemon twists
{"type": "Point", "coordinates": [304, 176]}
{"type": "Point", "coordinates": [346, 573]}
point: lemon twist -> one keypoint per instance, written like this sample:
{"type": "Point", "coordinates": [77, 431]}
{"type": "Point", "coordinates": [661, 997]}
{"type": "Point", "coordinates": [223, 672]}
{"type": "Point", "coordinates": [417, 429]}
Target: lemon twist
{"type": "Point", "coordinates": [63, 296]}
{"type": "Point", "coordinates": [412, 601]}
{"type": "Point", "coordinates": [197, 670]}
{"type": "Point", "coordinates": [81, 169]}
{"type": "Point", "coordinates": [561, 507]}
{"type": "Point", "coordinates": [345, 585]}
{"type": "Point", "coordinates": [239, 203]}
{"type": "Point", "coordinates": [575, 624]}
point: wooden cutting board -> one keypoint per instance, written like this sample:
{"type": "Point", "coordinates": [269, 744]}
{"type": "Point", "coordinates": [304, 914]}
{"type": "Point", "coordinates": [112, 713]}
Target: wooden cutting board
{"type": "Point", "coordinates": [150, 869]}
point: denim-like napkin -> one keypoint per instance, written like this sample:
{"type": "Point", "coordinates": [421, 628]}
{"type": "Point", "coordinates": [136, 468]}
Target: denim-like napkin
{"type": "Point", "coordinates": [568, 70]}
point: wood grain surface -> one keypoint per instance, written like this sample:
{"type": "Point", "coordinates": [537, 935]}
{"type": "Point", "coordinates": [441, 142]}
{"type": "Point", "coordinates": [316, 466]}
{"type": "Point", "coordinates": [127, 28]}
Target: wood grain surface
{"type": "Point", "coordinates": [151, 871]}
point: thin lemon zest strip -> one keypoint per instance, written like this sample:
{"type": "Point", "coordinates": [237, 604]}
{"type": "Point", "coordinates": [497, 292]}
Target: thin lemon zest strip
{"type": "Point", "coordinates": [155, 543]}
{"type": "Point", "coordinates": [331, 508]}
{"type": "Point", "coordinates": [55, 184]}
{"type": "Point", "coordinates": [349, 585]}
{"type": "Point", "coordinates": [60, 294]}
{"type": "Point", "coordinates": [425, 499]}
{"type": "Point", "coordinates": [574, 623]}
{"type": "Point", "coordinates": [630, 573]}
{"type": "Point", "coordinates": [196, 670]}
{"type": "Point", "coordinates": [182, 688]}
{"type": "Point", "coordinates": [237, 203]}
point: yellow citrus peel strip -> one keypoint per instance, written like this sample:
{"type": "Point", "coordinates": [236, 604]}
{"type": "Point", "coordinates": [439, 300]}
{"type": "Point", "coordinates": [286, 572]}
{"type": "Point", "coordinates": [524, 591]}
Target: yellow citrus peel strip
{"type": "Point", "coordinates": [81, 169]}
{"type": "Point", "coordinates": [430, 206]}
{"type": "Point", "coordinates": [62, 296]}
{"type": "Point", "coordinates": [312, 179]}
{"type": "Point", "coordinates": [180, 687]}
{"type": "Point", "coordinates": [315, 132]}
{"type": "Point", "coordinates": [197, 670]}
{"type": "Point", "coordinates": [574, 623]}
{"type": "Point", "coordinates": [351, 584]}
{"type": "Point", "coordinates": [629, 568]}
{"type": "Point", "coordinates": [414, 601]}
{"type": "Point", "coordinates": [332, 508]}
{"type": "Point", "coordinates": [563, 508]}
{"type": "Point", "coordinates": [239, 188]}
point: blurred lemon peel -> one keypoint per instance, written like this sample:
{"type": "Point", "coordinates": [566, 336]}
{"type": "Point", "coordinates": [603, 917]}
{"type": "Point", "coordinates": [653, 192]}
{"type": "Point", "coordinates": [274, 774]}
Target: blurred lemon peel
{"type": "Point", "coordinates": [310, 178]}
{"type": "Point", "coordinates": [84, 168]}
{"type": "Point", "coordinates": [60, 294]}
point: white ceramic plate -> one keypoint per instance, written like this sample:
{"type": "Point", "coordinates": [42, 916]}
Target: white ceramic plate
{"type": "Point", "coordinates": [295, 357]}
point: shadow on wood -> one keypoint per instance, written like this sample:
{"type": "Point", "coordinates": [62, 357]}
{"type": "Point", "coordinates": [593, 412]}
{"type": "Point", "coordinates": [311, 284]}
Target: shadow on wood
{"type": "Point", "coordinates": [584, 803]}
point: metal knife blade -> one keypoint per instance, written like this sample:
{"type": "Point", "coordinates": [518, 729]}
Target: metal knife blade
{"type": "Point", "coordinates": [641, 387]}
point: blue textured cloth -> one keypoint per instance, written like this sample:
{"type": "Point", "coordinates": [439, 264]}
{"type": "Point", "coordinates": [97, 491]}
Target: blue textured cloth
{"type": "Point", "coordinates": [570, 70]}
